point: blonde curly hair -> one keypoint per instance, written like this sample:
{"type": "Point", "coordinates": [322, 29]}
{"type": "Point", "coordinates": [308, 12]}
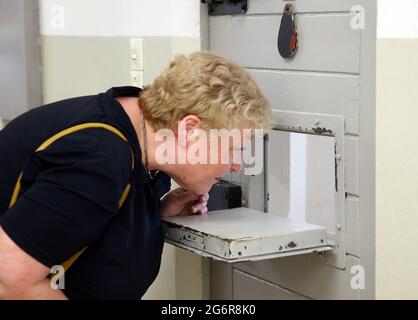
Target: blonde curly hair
{"type": "Point", "coordinates": [222, 94]}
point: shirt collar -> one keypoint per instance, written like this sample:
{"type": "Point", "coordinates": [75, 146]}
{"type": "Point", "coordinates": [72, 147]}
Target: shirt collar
{"type": "Point", "coordinates": [118, 118]}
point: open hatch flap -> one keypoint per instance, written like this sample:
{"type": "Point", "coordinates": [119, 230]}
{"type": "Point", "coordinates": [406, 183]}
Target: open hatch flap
{"type": "Point", "coordinates": [242, 234]}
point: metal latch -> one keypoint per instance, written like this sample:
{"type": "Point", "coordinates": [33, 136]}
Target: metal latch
{"type": "Point", "coordinates": [287, 41]}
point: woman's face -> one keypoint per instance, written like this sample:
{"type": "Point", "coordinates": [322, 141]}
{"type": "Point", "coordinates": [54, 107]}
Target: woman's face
{"type": "Point", "coordinates": [199, 178]}
{"type": "Point", "coordinates": [209, 158]}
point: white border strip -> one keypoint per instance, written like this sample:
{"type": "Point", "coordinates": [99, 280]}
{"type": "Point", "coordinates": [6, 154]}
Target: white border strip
{"type": "Point", "coordinates": [397, 19]}
{"type": "Point", "coordinates": [120, 17]}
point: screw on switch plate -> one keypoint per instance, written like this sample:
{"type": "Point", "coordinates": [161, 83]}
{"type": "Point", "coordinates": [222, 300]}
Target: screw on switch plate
{"type": "Point", "coordinates": [137, 78]}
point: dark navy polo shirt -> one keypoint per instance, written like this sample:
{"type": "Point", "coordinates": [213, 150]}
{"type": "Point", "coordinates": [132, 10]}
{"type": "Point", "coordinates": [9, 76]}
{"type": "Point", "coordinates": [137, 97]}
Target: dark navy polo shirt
{"type": "Point", "coordinates": [70, 195]}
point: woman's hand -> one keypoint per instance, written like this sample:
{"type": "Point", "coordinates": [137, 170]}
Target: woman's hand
{"type": "Point", "coordinates": [180, 202]}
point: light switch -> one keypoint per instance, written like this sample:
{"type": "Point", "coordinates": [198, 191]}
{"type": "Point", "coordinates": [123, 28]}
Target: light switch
{"type": "Point", "coordinates": [137, 54]}
{"type": "Point", "coordinates": [137, 78]}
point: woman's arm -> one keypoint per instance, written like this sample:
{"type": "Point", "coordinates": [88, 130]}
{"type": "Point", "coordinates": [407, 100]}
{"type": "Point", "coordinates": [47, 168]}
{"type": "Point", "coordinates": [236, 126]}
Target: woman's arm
{"type": "Point", "coordinates": [23, 277]}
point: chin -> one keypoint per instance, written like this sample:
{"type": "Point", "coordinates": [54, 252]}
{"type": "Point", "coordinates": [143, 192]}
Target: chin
{"type": "Point", "coordinates": [197, 189]}
{"type": "Point", "coordinates": [201, 190]}
{"type": "Point", "coordinates": [206, 190]}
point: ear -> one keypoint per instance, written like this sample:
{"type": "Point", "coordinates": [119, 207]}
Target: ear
{"type": "Point", "coordinates": [186, 128]}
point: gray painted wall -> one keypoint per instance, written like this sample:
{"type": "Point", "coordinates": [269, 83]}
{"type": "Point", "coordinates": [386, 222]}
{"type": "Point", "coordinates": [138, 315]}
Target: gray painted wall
{"type": "Point", "coordinates": [20, 60]}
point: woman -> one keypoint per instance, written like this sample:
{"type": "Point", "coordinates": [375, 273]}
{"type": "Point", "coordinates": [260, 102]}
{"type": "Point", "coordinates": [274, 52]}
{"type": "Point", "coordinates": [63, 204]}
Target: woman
{"type": "Point", "coordinates": [95, 193]}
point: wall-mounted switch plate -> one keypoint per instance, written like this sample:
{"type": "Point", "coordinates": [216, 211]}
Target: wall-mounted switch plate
{"type": "Point", "coordinates": [137, 54]}
{"type": "Point", "coordinates": [137, 78]}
